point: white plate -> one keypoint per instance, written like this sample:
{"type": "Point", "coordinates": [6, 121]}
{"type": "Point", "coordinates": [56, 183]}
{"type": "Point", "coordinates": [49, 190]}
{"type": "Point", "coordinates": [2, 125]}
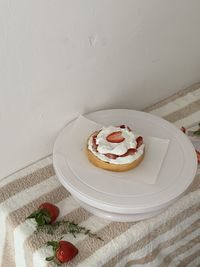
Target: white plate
{"type": "Point", "coordinates": [177, 172]}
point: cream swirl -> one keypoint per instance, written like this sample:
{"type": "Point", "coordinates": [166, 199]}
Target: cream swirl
{"type": "Point", "coordinates": [118, 149]}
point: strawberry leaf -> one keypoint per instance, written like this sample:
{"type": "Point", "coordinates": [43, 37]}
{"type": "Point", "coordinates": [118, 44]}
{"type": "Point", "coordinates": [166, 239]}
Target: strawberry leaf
{"type": "Point", "coordinates": [43, 217]}
{"type": "Point", "coordinates": [49, 258]}
{"type": "Point", "coordinates": [40, 219]}
{"type": "Point", "coordinates": [53, 244]}
{"type": "Point", "coordinates": [197, 132]}
{"type": "Point", "coordinates": [33, 215]}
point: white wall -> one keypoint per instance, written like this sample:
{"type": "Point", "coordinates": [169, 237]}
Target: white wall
{"type": "Point", "coordinates": [59, 58]}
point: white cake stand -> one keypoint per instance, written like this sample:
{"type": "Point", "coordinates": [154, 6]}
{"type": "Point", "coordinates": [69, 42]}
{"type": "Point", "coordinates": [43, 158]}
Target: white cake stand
{"type": "Point", "coordinates": [124, 199]}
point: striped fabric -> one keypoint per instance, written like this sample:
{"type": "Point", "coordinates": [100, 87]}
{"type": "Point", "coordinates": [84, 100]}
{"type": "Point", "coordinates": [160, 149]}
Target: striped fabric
{"type": "Point", "coordinates": [169, 239]}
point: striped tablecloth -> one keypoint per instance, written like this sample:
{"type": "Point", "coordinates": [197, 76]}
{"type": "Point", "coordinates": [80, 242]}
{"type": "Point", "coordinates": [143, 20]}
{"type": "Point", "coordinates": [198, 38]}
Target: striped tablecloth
{"type": "Point", "coordinates": [170, 239]}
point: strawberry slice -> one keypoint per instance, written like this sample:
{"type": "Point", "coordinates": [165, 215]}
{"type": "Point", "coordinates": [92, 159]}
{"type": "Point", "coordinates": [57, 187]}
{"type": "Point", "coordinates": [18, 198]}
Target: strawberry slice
{"type": "Point", "coordinates": [94, 144]}
{"type": "Point", "coordinates": [111, 156]}
{"type": "Point", "coordinates": [131, 151]}
{"type": "Point", "coordinates": [115, 137]}
{"type": "Point", "coordinates": [139, 141]}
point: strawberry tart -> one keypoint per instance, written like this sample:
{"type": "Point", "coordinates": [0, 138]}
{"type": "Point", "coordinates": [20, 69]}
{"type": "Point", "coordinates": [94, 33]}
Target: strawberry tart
{"type": "Point", "coordinates": [115, 148]}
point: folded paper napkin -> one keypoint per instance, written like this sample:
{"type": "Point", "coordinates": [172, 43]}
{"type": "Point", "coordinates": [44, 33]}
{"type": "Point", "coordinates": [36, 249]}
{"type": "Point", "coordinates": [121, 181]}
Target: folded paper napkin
{"type": "Point", "coordinates": [147, 172]}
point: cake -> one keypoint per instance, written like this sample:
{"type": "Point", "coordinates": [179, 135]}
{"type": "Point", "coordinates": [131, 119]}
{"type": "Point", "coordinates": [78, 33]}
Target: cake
{"type": "Point", "coordinates": [115, 148]}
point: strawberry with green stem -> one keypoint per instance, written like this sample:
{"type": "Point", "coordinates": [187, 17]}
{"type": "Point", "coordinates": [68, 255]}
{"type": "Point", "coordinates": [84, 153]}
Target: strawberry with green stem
{"type": "Point", "coordinates": [47, 213]}
{"type": "Point", "coordinates": [64, 251]}
{"type": "Point", "coordinates": [45, 217]}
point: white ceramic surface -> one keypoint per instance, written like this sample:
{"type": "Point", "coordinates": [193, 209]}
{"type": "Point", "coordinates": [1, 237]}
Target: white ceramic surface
{"type": "Point", "coordinates": [177, 172]}
{"type": "Point", "coordinates": [118, 217]}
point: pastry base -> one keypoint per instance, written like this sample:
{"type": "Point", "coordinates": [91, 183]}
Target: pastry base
{"type": "Point", "coordinates": [110, 166]}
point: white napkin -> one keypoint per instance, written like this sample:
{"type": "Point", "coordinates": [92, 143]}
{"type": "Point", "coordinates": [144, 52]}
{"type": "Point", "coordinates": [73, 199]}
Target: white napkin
{"type": "Point", "coordinates": [147, 172]}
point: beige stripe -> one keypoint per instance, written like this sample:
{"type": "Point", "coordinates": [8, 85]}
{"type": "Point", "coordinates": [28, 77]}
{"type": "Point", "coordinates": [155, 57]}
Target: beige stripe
{"type": "Point", "coordinates": [189, 259]}
{"type": "Point", "coordinates": [26, 170]}
{"type": "Point", "coordinates": [90, 245]}
{"type": "Point", "coordinates": [169, 258]}
{"type": "Point", "coordinates": [184, 112]}
{"type": "Point", "coordinates": [25, 182]}
{"type": "Point", "coordinates": [36, 241]}
{"type": "Point", "coordinates": [173, 97]}
{"type": "Point", "coordinates": [151, 256]}
{"type": "Point", "coordinates": [18, 216]}
{"type": "Point", "coordinates": [155, 233]}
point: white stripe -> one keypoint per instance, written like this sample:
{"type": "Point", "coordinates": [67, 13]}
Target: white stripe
{"type": "Point", "coordinates": [187, 121]}
{"type": "Point", "coordinates": [21, 233]}
{"type": "Point", "coordinates": [177, 229]}
{"type": "Point", "coordinates": [26, 229]}
{"type": "Point", "coordinates": [93, 223]}
{"type": "Point", "coordinates": [187, 253]}
{"type": "Point", "coordinates": [177, 104]}
{"type": "Point", "coordinates": [138, 231]}
{"type": "Point", "coordinates": [21, 199]}
{"type": "Point", "coordinates": [26, 171]}
{"type": "Point", "coordinates": [66, 206]}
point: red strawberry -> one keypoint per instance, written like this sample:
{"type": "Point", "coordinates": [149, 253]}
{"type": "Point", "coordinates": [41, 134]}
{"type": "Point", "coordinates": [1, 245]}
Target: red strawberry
{"type": "Point", "coordinates": [115, 137]}
{"type": "Point", "coordinates": [64, 251]}
{"type": "Point", "coordinates": [131, 151]}
{"type": "Point", "coordinates": [111, 156]}
{"type": "Point", "coordinates": [47, 213]}
{"type": "Point", "coordinates": [139, 141]}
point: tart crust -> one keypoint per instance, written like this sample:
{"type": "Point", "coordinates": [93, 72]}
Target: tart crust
{"type": "Point", "coordinates": [110, 166]}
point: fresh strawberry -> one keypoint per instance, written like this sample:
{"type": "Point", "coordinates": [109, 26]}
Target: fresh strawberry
{"type": "Point", "coordinates": [139, 141]}
{"type": "Point", "coordinates": [131, 151]}
{"type": "Point", "coordinates": [115, 137]}
{"type": "Point", "coordinates": [47, 213]}
{"type": "Point", "coordinates": [64, 251]}
{"type": "Point", "coordinates": [111, 156]}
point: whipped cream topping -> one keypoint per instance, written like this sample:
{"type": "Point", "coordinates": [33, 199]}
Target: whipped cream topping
{"type": "Point", "coordinates": [118, 149]}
